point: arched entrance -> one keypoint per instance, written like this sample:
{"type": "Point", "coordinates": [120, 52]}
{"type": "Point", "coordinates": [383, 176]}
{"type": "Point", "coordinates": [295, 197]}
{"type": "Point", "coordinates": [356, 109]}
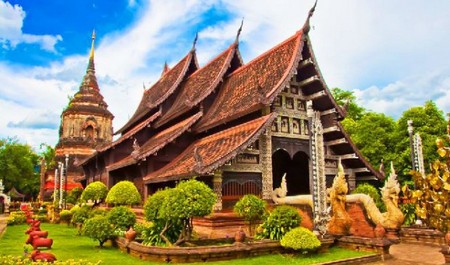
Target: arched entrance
{"type": "Point", "coordinates": [296, 169]}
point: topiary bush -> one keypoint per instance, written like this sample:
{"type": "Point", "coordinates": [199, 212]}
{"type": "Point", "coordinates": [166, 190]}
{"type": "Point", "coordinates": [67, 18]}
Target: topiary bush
{"type": "Point", "coordinates": [251, 208]}
{"type": "Point", "coordinates": [123, 193]}
{"type": "Point", "coordinates": [97, 211]}
{"type": "Point", "coordinates": [280, 221]}
{"type": "Point", "coordinates": [95, 191]}
{"type": "Point", "coordinates": [65, 216]}
{"type": "Point", "coordinates": [122, 217]}
{"type": "Point", "coordinates": [98, 228]}
{"type": "Point", "coordinates": [74, 195]}
{"type": "Point", "coordinates": [300, 238]}
{"type": "Point", "coordinates": [150, 232]}
{"type": "Point", "coordinates": [79, 215]}
{"type": "Point", "coordinates": [366, 188]}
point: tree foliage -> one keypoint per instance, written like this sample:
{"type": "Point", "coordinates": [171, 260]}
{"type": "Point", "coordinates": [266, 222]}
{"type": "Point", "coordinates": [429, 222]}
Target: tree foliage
{"type": "Point", "coordinates": [19, 167]}
{"type": "Point", "coordinates": [95, 191]}
{"type": "Point", "coordinates": [124, 193]}
{"type": "Point", "coordinates": [380, 137]}
{"type": "Point", "coordinates": [347, 100]}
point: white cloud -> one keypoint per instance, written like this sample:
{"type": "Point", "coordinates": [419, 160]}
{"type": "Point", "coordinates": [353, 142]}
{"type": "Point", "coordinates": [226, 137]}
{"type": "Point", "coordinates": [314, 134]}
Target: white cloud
{"type": "Point", "coordinates": [391, 56]}
{"type": "Point", "coordinates": [11, 22]}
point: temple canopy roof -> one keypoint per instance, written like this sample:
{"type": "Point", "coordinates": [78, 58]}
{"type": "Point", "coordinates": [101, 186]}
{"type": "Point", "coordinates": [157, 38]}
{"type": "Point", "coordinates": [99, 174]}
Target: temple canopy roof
{"type": "Point", "coordinates": [255, 84]}
{"type": "Point", "coordinates": [201, 83]}
{"type": "Point", "coordinates": [207, 154]}
{"type": "Point", "coordinates": [163, 88]}
{"type": "Point", "coordinates": [155, 143]}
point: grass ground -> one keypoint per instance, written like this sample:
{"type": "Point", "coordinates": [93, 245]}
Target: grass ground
{"type": "Point", "coordinates": [68, 245]}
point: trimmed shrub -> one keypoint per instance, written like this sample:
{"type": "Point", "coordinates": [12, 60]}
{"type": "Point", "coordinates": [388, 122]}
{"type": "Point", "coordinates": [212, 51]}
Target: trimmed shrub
{"type": "Point", "coordinates": [96, 212]}
{"type": "Point", "coordinates": [123, 193]}
{"type": "Point", "coordinates": [251, 208]}
{"type": "Point", "coordinates": [300, 238]}
{"type": "Point", "coordinates": [74, 195]}
{"type": "Point", "coordinates": [98, 228]}
{"type": "Point", "coordinates": [280, 221]}
{"type": "Point", "coordinates": [79, 215]}
{"type": "Point", "coordinates": [366, 188]}
{"type": "Point", "coordinates": [95, 191]}
{"type": "Point", "coordinates": [153, 204]}
{"type": "Point", "coordinates": [65, 216]}
{"type": "Point", "coordinates": [121, 217]}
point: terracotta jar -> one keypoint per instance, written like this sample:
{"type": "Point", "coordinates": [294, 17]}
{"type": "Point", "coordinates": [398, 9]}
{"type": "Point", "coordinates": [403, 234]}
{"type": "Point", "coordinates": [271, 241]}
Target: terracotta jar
{"type": "Point", "coordinates": [239, 236]}
{"type": "Point", "coordinates": [130, 235]}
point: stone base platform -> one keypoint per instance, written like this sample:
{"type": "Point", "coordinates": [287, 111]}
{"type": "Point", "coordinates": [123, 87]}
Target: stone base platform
{"type": "Point", "coordinates": [220, 225]}
{"type": "Point", "coordinates": [379, 245]}
{"type": "Point", "coordinates": [422, 235]}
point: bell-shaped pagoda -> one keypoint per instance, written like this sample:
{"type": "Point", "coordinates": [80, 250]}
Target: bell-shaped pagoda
{"type": "Point", "coordinates": [86, 123]}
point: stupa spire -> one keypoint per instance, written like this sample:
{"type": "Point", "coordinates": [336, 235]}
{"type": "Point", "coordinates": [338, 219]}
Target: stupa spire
{"type": "Point", "coordinates": [91, 54]}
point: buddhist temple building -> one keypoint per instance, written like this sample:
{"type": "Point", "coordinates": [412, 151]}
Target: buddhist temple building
{"type": "Point", "coordinates": [239, 127]}
{"type": "Point", "coordinates": [86, 124]}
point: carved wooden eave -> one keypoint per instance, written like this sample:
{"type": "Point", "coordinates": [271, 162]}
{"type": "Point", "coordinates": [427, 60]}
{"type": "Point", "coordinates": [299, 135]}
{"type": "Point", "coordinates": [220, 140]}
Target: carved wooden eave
{"type": "Point", "coordinates": [355, 156]}
{"type": "Point", "coordinates": [162, 89]}
{"type": "Point", "coordinates": [185, 165]}
{"type": "Point", "coordinates": [341, 112]}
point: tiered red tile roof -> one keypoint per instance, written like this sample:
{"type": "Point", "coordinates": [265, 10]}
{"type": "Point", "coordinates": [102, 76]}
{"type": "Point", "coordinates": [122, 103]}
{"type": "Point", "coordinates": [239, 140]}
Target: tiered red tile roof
{"type": "Point", "coordinates": [211, 152]}
{"type": "Point", "coordinates": [156, 142]}
{"type": "Point", "coordinates": [255, 84]}
{"type": "Point", "coordinates": [160, 91]}
{"type": "Point", "coordinates": [200, 84]}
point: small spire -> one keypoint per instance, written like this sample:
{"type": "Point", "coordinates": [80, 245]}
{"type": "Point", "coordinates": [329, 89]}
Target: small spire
{"type": "Point", "coordinates": [143, 85]}
{"type": "Point", "coordinates": [306, 26]}
{"type": "Point", "coordinates": [91, 55]}
{"type": "Point", "coordinates": [165, 68]}
{"type": "Point", "coordinates": [239, 32]}
{"type": "Point", "coordinates": [195, 41]}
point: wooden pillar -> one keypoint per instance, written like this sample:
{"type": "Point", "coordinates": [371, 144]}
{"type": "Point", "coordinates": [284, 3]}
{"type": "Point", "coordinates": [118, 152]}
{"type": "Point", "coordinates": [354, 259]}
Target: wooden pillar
{"type": "Point", "coordinates": [351, 181]}
{"type": "Point", "coordinates": [265, 155]}
{"type": "Point", "coordinates": [217, 186]}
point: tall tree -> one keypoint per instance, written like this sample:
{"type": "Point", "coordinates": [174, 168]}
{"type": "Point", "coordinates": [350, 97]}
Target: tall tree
{"type": "Point", "coordinates": [347, 100]}
{"type": "Point", "coordinates": [430, 123]}
{"type": "Point", "coordinates": [373, 135]}
{"type": "Point", "coordinates": [19, 167]}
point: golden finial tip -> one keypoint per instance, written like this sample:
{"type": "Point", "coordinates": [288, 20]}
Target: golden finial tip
{"type": "Point", "coordinates": [91, 55]}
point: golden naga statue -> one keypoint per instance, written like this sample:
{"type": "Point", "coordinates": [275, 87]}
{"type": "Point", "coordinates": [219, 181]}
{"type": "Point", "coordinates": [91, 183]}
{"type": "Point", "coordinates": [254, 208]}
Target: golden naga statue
{"type": "Point", "coordinates": [393, 218]}
{"type": "Point", "coordinates": [340, 220]}
{"type": "Point", "coordinates": [279, 196]}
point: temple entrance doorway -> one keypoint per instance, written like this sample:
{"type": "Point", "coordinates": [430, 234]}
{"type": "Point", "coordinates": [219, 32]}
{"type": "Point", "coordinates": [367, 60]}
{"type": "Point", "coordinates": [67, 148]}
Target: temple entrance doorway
{"type": "Point", "coordinates": [295, 168]}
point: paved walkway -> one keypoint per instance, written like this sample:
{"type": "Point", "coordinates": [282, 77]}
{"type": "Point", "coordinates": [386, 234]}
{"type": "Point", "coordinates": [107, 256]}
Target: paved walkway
{"type": "Point", "coordinates": [3, 218]}
{"type": "Point", "coordinates": [413, 254]}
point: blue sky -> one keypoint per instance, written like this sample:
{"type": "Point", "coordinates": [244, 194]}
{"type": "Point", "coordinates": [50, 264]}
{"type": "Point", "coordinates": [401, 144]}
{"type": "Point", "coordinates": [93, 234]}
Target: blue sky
{"type": "Point", "coordinates": [393, 55]}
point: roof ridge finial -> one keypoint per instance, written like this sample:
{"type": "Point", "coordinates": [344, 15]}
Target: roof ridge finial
{"type": "Point", "coordinates": [306, 26]}
{"type": "Point", "coordinates": [91, 54]}
{"type": "Point", "coordinates": [166, 68]}
{"type": "Point", "coordinates": [195, 41]}
{"type": "Point", "coordinates": [236, 41]}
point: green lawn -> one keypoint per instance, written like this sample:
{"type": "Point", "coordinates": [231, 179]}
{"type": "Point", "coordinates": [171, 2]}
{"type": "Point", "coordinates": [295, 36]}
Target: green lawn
{"type": "Point", "coordinates": [68, 245]}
